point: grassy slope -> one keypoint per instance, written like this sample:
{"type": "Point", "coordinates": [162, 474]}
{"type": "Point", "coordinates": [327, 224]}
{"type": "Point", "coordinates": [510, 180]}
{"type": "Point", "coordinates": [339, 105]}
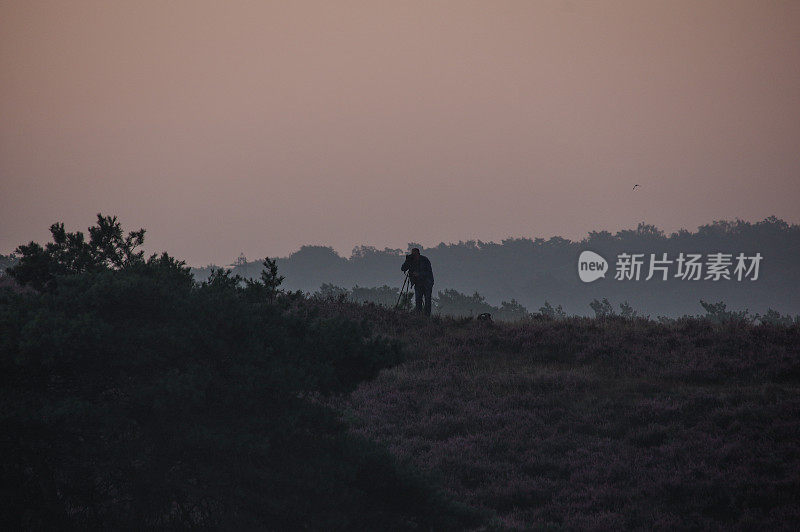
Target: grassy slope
{"type": "Point", "coordinates": [593, 424]}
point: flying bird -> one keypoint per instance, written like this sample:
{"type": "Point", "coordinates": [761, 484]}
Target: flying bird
{"type": "Point", "coordinates": [634, 187]}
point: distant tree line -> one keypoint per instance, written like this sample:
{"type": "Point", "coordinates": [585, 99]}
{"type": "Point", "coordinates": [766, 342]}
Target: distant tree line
{"type": "Point", "coordinates": [532, 271]}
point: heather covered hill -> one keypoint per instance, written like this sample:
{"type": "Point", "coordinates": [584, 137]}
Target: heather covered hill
{"type": "Point", "coordinates": [534, 270]}
{"type": "Point", "coordinates": [597, 424]}
{"type": "Point", "coordinates": [133, 396]}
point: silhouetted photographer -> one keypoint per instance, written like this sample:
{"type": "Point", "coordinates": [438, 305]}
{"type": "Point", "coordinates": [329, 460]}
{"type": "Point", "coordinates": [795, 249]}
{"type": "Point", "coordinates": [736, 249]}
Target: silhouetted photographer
{"type": "Point", "coordinates": [420, 274]}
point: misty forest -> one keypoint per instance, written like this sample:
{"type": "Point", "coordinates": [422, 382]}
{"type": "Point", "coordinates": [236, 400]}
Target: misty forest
{"type": "Point", "coordinates": [527, 275]}
{"type": "Point", "coordinates": [296, 393]}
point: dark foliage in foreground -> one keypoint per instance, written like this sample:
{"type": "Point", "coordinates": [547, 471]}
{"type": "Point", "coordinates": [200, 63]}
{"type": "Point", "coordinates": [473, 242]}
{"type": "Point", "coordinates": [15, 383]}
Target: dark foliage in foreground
{"type": "Point", "coordinates": [131, 397]}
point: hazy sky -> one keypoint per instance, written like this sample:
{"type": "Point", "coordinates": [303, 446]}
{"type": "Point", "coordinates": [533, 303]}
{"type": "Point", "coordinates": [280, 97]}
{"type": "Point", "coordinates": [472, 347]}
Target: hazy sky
{"type": "Point", "coordinates": [260, 126]}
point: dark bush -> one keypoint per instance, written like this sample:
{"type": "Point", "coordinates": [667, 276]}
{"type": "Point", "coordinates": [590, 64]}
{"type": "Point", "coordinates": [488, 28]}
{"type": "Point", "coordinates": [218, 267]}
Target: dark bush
{"type": "Point", "coordinates": [133, 397]}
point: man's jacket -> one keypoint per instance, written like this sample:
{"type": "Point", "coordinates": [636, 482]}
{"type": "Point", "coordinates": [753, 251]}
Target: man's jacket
{"type": "Point", "coordinates": [420, 272]}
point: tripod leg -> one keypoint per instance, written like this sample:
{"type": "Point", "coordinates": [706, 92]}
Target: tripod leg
{"type": "Point", "coordinates": [402, 290]}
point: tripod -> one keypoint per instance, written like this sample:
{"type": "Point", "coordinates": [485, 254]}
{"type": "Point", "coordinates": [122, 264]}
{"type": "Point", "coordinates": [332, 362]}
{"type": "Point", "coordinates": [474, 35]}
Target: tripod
{"type": "Point", "coordinates": [406, 288]}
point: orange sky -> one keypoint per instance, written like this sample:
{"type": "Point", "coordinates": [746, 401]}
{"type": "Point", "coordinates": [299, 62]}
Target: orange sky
{"type": "Point", "coordinates": [260, 126]}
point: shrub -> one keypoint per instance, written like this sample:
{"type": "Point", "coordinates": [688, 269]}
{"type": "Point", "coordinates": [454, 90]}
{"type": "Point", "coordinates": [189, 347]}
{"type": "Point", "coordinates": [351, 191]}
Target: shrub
{"type": "Point", "coordinates": [718, 313]}
{"type": "Point", "coordinates": [602, 309]}
{"type": "Point", "coordinates": [135, 398]}
{"type": "Point", "coordinates": [773, 317]}
{"type": "Point", "coordinates": [627, 311]}
{"type": "Point", "coordinates": [549, 311]}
